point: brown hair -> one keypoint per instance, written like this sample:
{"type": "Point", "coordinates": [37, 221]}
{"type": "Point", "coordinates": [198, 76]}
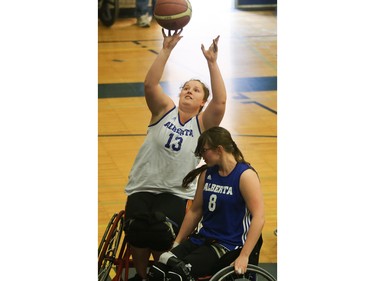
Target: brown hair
{"type": "Point", "coordinates": [214, 137]}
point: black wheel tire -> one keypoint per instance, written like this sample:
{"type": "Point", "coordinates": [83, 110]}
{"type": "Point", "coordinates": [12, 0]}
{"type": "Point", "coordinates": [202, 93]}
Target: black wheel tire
{"type": "Point", "coordinates": [109, 11]}
{"type": "Point", "coordinates": [228, 273]}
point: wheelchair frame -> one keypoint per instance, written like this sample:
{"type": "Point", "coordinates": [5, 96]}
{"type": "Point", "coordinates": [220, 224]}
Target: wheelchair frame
{"type": "Point", "coordinates": [114, 253]}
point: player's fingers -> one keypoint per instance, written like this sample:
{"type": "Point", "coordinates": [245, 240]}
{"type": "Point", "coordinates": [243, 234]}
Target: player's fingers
{"type": "Point", "coordinates": [214, 45]}
{"type": "Point", "coordinates": [239, 270]}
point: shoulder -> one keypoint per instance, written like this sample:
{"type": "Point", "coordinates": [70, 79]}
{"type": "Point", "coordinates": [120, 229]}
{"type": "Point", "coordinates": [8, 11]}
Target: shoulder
{"type": "Point", "coordinates": [249, 178]}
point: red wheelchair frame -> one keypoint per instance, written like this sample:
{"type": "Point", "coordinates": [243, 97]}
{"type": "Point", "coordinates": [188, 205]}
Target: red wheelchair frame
{"type": "Point", "coordinates": [114, 251]}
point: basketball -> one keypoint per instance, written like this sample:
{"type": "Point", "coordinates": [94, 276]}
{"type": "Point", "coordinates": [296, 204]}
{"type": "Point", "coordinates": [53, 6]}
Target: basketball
{"type": "Point", "coordinates": [172, 14]}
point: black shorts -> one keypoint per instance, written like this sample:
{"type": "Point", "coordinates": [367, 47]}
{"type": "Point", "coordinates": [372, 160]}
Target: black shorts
{"type": "Point", "coordinates": [204, 259]}
{"type": "Point", "coordinates": [172, 206]}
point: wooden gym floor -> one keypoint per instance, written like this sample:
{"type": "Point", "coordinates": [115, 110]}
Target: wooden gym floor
{"type": "Point", "coordinates": [248, 61]}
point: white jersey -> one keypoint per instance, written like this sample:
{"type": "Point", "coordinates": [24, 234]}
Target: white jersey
{"type": "Point", "coordinates": [165, 157]}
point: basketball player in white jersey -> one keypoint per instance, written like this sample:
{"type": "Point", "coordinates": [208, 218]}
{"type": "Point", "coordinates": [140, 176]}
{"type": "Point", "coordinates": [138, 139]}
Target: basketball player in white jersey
{"type": "Point", "coordinates": [227, 215]}
{"type": "Point", "coordinates": [167, 153]}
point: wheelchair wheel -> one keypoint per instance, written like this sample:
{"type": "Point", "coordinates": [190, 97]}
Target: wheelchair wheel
{"type": "Point", "coordinates": [109, 11]}
{"type": "Point", "coordinates": [253, 273]}
{"type": "Point", "coordinates": [108, 251]}
{"type": "Point", "coordinates": [105, 234]}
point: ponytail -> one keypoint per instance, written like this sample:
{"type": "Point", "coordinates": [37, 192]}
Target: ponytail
{"type": "Point", "coordinates": [192, 175]}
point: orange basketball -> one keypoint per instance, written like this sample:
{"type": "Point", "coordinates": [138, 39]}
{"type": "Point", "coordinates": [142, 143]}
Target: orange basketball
{"type": "Point", "coordinates": [172, 14]}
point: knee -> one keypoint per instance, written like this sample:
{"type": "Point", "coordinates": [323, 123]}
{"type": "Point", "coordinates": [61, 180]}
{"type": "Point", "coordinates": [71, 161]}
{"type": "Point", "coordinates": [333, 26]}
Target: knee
{"type": "Point", "coordinates": [153, 231]}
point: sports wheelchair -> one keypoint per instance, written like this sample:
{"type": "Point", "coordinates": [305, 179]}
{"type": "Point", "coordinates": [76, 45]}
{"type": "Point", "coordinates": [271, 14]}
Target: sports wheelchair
{"type": "Point", "coordinates": [114, 258]}
{"type": "Point", "coordinates": [108, 11]}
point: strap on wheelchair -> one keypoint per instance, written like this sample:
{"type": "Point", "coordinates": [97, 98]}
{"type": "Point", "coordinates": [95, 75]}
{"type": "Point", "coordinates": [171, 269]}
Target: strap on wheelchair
{"type": "Point", "coordinates": [219, 249]}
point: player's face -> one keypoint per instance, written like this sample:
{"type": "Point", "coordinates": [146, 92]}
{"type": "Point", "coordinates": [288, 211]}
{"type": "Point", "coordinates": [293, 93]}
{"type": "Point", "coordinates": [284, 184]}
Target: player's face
{"type": "Point", "coordinates": [209, 155]}
{"type": "Point", "coordinates": [192, 93]}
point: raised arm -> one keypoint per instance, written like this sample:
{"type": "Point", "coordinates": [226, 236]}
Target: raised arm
{"type": "Point", "coordinates": [215, 110]}
{"type": "Point", "coordinates": [157, 101]}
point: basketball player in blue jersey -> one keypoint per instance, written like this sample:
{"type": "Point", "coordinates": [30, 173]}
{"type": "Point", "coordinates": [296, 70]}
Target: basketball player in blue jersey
{"type": "Point", "coordinates": [167, 154]}
{"type": "Point", "coordinates": [224, 223]}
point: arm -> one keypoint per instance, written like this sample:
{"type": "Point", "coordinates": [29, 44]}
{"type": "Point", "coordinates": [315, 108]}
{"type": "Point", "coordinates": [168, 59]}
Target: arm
{"type": "Point", "coordinates": [157, 101]}
{"type": "Point", "coordinates": [194, 214]}
{"type": "Point", "coordinates": [215, 110]}
{"type": "Point", "coordinates": [252, 194]}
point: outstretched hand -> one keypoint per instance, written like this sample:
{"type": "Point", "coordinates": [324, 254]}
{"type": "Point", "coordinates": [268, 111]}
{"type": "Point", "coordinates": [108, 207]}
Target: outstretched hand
{"type": "Point", "coordinates": [171, 40]}
{"type": "Point", "coordinates": [211, 53]}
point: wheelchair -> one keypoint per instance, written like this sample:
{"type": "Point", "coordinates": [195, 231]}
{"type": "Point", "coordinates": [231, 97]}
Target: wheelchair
{"type": "Point", "coordinates": [253, 273]}
{"type": "Point", "coordinates": [108, 11]}
{"type": "Point", "coordinates": [114, 252]}
{"type": "Point", "coordinates": [114, 258]}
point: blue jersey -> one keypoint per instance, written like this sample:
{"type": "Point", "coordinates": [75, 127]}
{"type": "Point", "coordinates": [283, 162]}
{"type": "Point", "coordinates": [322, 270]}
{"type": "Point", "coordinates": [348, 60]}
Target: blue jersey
{"type": "Point", "coordinates": [226, 218]}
